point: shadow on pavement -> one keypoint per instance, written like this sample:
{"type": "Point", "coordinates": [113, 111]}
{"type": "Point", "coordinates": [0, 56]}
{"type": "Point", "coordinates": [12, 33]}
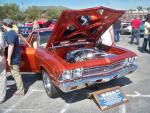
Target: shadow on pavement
{"type": "Point", "coordinates": [82, 94]}
{"type": "Point", "coordinates": [140, 49]}
{"type": "Point", "coordinates": [143, 51]}
{"type": "Point", "coordinates": [27, 81]}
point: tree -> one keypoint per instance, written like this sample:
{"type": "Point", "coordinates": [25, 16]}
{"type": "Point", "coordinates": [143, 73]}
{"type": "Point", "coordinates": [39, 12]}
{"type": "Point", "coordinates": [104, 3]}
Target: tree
{"type": "Point", "coordinates": [10, 11]}
{"type": "Point", "coordinates": [2, 14]}
{"type": "Point", "coordinates": [148, 9]}
{"type": "Point", "coordinates": [14, 12]}
{"type": "Point", "coordinates": [139, 8]}
{"type": "Point", "coordinates": [32, 13]}
{"type": "Point", "coordinates": [54, 12]}
{"type": "Point", "coordinates": [131, 10]}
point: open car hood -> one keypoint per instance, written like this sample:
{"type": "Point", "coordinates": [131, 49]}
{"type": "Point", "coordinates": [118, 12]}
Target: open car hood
{"type": "Point", "coordinates": [91, 23]}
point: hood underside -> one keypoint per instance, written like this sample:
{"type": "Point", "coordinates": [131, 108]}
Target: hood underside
{"type": "Point", "coordinates": [88, 23]}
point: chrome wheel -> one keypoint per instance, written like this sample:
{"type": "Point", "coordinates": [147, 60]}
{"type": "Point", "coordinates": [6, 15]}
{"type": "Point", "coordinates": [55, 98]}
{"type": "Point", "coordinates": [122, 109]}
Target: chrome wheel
{"type": "Point", "coordinates": [46, 82]}
{"type": "Point", "coordinates": [51, 90]}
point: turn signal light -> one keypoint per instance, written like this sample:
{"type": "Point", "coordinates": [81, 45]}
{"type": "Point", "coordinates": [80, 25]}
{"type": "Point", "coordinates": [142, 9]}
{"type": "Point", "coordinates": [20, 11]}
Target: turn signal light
{"type": "Point", "coordinates": [93, 17]}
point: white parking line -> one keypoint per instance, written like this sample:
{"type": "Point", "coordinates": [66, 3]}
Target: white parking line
{"type": "Point", "coordinates": [123, 108]}
{"type": "Point", "coordinates": [65, 108]}
{"type": "Point", "coordinates": [18, 102]}
{"type": "Point", "coordinates": [145, 96]}
{"type": "Point", "coordinates": [67, 105]}
{"type": "Point", "coordinates": [137, 94]}
{"type": "Point", "coordinates": [26, 109]}
{"type": "Point", "coordinates": [37, 90]}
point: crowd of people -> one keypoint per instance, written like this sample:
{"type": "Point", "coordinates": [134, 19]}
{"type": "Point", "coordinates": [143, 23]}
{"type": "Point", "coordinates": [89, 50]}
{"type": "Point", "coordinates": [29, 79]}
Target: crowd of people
{"type": "Point", "coordinates": [112, 34]}
{"type": "Point", "coordinates": [136, 24]}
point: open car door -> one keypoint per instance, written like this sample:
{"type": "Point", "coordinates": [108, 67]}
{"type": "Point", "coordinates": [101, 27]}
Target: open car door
{"type": "Point", "coordinates": [28, 63]}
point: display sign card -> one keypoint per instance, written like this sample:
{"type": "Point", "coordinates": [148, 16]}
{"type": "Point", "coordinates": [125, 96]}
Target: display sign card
{"type": "Point", "coordinates": [109, 98]}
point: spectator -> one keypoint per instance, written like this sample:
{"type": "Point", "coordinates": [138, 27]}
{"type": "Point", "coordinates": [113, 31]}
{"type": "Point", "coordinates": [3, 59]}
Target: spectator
{"type": "Point", "coordinates": [13, 55]}
{"type": "Point", "coordinates": [108, 37]}
{"type": "Point", "coordinates": [42, 22]}
{"type": "Point", "coordinates": [116, 27]}
{"type": "Point", "coordinates": [146, 34]}
{"type": "Point", "coordinates": [3, 77]}
{"type": "Point", "coordinates": [135, 23]}
{"type": "Point", "coordinates": [15, 28]}
{"type": "Point", "coordinates": [35, 25]}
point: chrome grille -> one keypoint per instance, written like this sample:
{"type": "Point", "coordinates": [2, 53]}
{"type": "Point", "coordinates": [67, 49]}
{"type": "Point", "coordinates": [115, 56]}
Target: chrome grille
{"type": "Point", "coordinates": [102, 69]}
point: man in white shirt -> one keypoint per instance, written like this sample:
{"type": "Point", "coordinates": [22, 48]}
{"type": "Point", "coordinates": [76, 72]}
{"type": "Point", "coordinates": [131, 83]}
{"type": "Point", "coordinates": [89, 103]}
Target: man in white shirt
{"type": "Point", "coordinates": [108, 37]}
{"type": "Point", "coordinates": [146, 34]}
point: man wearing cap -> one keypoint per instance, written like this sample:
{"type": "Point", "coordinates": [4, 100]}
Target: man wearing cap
{"type": "Point", "coordinates": [13, 54]}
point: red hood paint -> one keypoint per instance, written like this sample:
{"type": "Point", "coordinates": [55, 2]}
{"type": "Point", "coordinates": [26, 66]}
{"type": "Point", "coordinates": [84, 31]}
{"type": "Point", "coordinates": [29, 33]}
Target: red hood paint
{"type": "Point", "coordinates": [100, 19]}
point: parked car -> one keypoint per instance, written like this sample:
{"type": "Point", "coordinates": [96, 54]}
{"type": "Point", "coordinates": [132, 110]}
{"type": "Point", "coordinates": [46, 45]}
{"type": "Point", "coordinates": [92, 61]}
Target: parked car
{"type": "Point", "coordinates": [25, 30]}
{"type": "Point", "coordinates": [126, 29]}
{"type": "Point", "coordinates": [70, 58]}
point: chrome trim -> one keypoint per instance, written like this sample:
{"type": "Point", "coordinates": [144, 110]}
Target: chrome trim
{"type": "Point", "coordinates": [81, 83]}
{"type": "Point", "coordinates": [3, 73]}
{"type": "Point", "coordinates": [46, 82]}
{"type": "Point", "coordinates": [102, 69]}
{"type": "Point", "coordinates": [68, 44]}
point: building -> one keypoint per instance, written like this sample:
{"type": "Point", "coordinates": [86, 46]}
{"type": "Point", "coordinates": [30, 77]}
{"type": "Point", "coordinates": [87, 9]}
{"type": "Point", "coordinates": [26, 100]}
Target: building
{"type": "Point", "coordinates": [130, 14]}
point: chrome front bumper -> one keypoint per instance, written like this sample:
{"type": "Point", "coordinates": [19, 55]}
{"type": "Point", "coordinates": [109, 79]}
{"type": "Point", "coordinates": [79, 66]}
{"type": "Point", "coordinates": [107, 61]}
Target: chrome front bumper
{"type": "Point", "coordinates": [81, 83]}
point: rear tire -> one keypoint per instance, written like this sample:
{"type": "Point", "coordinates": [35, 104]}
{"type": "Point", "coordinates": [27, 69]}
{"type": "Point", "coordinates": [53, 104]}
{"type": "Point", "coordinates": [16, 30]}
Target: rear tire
{"type": "Point", "coordinates": [50, 88]}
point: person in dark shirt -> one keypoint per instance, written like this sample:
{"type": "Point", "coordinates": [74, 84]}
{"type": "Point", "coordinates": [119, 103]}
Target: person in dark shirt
{"type": "Point", "coordinates": [13, 54]}
{"type": "Point", "coordinates": [116, 27]}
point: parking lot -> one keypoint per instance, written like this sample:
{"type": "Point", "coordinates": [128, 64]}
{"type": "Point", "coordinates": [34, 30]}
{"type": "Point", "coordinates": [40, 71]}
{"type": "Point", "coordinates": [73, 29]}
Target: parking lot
{"type": "Point", "coordinates": [135, 86]}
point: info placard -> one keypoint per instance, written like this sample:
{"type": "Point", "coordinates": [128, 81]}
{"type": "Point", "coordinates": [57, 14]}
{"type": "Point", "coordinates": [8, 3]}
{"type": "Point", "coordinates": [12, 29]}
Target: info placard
{"type": "Point", "coordinates": [110, 97]}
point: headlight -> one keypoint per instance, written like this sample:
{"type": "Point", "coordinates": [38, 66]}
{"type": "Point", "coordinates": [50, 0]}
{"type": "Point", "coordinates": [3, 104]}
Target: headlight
{"type": "Point", "coordinates": [129, 61]}
{"type": "Point", "coordinates": [126, 62]}
{"type": "Point", "coordinates": [76, 73]}
{"type": "Point", "coordinates": [71, 74]}
{"type": "Point", "coordinates": [66, 75]}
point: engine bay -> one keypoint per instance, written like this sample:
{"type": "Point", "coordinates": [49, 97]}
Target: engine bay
{"type": "Point", "coordinates": [82, 54]}
{"type": "Point", "coordinates": [80, 51]}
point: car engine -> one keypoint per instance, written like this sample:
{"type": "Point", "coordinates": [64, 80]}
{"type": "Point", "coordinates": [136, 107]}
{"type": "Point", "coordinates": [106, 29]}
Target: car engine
{"type": "Point", "coordinates": [83, 54]}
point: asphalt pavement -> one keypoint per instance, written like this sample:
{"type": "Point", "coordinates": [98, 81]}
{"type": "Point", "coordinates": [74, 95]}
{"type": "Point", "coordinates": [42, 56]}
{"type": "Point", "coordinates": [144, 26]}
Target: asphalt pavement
{"type": "Point", "coordinates": [135, 86]}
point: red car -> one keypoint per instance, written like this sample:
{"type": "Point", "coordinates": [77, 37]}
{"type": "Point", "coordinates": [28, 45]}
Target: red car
{"type": "Point", "coordinates": [70, 57]}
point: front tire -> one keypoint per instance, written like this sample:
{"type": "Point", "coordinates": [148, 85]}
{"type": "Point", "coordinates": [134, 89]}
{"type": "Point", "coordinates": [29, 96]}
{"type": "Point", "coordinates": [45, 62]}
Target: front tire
{"type": "Point", "coordinates": [50, 88]}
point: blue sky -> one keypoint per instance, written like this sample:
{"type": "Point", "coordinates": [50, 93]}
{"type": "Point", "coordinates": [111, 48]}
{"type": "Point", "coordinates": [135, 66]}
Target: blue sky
{"type": "Point", "coordinates": [78, 4]}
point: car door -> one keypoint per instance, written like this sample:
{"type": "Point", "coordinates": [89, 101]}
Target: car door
{"type": "Point", "coordinates": [28, 63]}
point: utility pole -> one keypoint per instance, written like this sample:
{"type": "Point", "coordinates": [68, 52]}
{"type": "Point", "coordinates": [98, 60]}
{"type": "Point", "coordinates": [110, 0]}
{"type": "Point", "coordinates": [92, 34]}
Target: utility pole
{"type": "Point", "coordinates": [22, 5]}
